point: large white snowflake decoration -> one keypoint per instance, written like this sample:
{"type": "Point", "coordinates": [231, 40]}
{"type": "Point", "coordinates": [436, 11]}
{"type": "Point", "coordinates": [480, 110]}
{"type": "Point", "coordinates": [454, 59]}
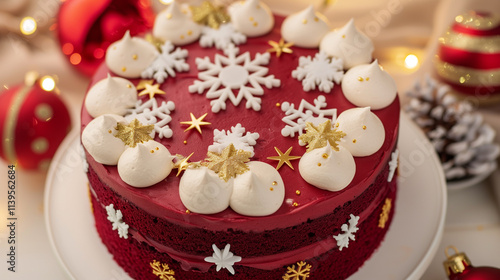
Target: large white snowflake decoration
{"type": "Point", "coordinates": [296, 118]}
{"type": "Point", "coordinates": [150, 113]}
{"type": "Point", "coordinates": [167, 63]}
{"type": "Point", "coordinates": [223, 259]}
{"type": "Point", "coordinates": [234, 72]}
{"type": "Point", "coordinates": [115, 217]}
{"type": "Point", "coordinates": [319, 71]}
{"type": "Point", "coordinates": [222, 37]}
{"type": "Point", "coordinates": [349, 230]}
{"type": "Point", "coordinates": [393, 164]}
{"type": "Point", "coordinates": [223, 138]}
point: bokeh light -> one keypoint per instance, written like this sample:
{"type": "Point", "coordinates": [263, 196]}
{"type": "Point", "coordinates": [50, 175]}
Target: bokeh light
{"type": "Point", "coordinates": [28, 26]}
{"type": "Point", "coordinates": [411, 61]}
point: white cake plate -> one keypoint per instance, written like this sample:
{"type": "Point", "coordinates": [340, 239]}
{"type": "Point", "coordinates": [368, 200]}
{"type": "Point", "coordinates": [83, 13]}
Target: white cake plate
{"type": "Point", "coordinates": [406, 252]}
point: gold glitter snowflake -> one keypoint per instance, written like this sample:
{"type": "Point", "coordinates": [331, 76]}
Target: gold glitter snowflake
{"type": "Point", "coordinates": [301, 273]}
{"type": "Point", "coordinates": [319, 136]}
{"type": "Point", "coordinates": [384, 215]}
{"type": "Point", "coordinates": [133, 133]}
{"type": "Point", "coordinates": [208, 14]}
{"type": "Point", "coordinates": [162, 270]}
{"type": "Point", "coordinates": [229, 163]}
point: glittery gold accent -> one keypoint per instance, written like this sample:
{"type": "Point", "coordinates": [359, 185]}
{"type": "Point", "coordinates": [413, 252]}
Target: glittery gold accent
{"type": "Point", "coordinates": [353, 140]}
{"type": "Point", "coordinates": [185, 142]}
{"type": "Point", "coordinates": [325, 155]}
{"type": "Point", "coordinates": [300, 273]}
{"type": "Point", "coordinates": [275, 183]}
{"type": "Point", "coordinates": [304, 21]}
{"type": "Point", "coordinates": [384, 215]}
{"type": "Point", "coordinates": [295, 204]}
{"type": "Point", "coordinates": [280, 47]}
{"type": "Point", "coordinates": [124, 69]}
{"type": "Point", "coordinates": [283, 157]}
{"type": "Point", "coordinates": [467, 76]}
{"type": "Point", "coordinates": [474, 21]}
{"type": "Point", "coordinates": [271, 189]}
{"type": "Point", "coordinates": [134, 57]}
{"type": "Point", "coordinates": [364, 127]}
{"type": "Point", "coordinates": [196, 122]}
{"type": "Point", "coordinates": [157, 42]}
{"type": "Point", "coordinates": [229, 163]}
{"type": "Point", "coordinates": [133, 133]}
{"type": "Point", "coordinates": [187, 211]}
{"type": "Point", "coordinates": [129, 85]}
{"type": "Point", "coordinates": [278, 105]}
{"type": "Point", "coordinates": [152, 151]}
{"type": "Point", "coordinates": [319, 136]}
{"type": "Point", "coordinates": [297, 192]}
{"type": "Point", "coordinates": [142, 84]}
{"type": "Point", "coordinates": [367, 78]}
{"type": "Point", "coordinates": [151, 90]}
{"type": "Point", "coordinates": [319, 163]}
{"type": "Point", "coordinates": [360, 79]}
{"type": "Point", "coordinates": [208, 14]}
{"type": "Point", "coordinates": [162, 270]}
{"type": "Point", "coordinates": [183, 164]}
{"type": "Point", "coordinates": [110, 131]}
{"type": "Point", "coordinates": [486, 44]}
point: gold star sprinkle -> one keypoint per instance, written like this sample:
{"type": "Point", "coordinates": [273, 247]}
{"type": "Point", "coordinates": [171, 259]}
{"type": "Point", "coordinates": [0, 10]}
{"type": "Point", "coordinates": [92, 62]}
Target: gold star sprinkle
{"type": "Point", "coordinates": [142, 84]}
{"type": "Point", "coordinates": [196, 122]}
{"type": "Point", "coordinates": [133, 133]}
{"type": "Point", "coordinates": [319, 136]}
{"type": "Point", "coordinates": [280, 47]}
{"type": "Point", "coordinates": [384, 215]}
{"type": "Point", "coordinates": [151, 90]}
{"type": "Point", "coordinates": [183, 164]}
{"type": "Point", "coordinates": [284, 158]}
{"type": "Point", "coordinates": [157, 42]}
{"type": "Point", "coordinates": [229, 163]}
{"type": "Point", "coordinates": [208, 14]}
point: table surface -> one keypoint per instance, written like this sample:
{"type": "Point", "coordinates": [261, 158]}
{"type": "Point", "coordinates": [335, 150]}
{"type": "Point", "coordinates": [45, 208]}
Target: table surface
{"type": "Point", "coordinates": [473, 214]}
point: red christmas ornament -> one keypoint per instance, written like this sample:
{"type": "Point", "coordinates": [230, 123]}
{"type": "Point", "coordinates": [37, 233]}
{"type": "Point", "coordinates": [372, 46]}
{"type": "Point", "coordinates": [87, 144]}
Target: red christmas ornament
{"type": "Point", "coordinates": [468, 57]}
{"type": "Point", "coordinates": [87, 27]}
{"type": "Point", "coordinates": [33, 122]}
{"type": "Point", "coordinates": [459, 267]}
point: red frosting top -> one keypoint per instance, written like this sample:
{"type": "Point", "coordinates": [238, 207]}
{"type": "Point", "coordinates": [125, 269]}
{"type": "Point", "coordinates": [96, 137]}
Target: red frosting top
{"type": "Point", "coordinates": [163, 199]}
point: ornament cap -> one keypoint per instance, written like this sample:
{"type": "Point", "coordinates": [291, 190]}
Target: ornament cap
{"type": "Point", "coordinates": [455, 263]}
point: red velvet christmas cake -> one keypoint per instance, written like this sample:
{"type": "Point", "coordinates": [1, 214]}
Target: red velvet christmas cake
{"type": "Point", "coordinates": [234, 144]}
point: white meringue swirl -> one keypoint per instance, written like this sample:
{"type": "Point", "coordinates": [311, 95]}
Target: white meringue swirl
{"type": "Point", "coordinates": [113, 95]}
{"type": "Point", "coordinates": [305, 28]}
{"type": "Point", "coordinates": [175, 26]}
{"type": "Point", "coordinates": [251, 17]}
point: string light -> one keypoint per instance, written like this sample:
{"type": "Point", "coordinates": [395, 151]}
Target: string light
{"type": "Point", "coordinates": [28, 26]}
{"type": "Point", "coordinates": [47, 83]}
{"type": "Point", "coordinates": [411, 61]}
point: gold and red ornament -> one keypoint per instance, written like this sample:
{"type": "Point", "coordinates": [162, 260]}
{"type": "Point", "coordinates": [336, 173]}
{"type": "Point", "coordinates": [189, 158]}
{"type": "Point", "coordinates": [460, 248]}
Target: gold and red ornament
{"type": "Point", "coordinates": [459, 267]}
{"type": "Point", "coordinates": [87, 27]}
{"type": "Point", "coordinates": [468, 56]}
{"type": "Point", "coordinates": [33, 122]}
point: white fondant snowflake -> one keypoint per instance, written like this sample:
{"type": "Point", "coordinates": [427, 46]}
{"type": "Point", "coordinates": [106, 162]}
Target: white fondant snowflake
{"type": "Point", "coordinates": [167, 63]}
{"type": "Point", "coordinates": [222, 139]}
{"type": "Point", "coordinates": [85, 164]}
{"type": "Point", "coordinates": [223, 259]}
{"type": "Point", "coordinates": [115, 217]}
{"type": "Point", "coordinates": [222, 37]}
{"type": "Point", "coordinates": [393, 164]}
{"type": "Point", "coordinates": [349, 230]}
{"type": "Point", "coordinates": [150, 113]}
{"type": "Point", "coordinates": [296, 118]}
{"type": "Point", "coordinates": [319, 71]}
{"type": "Point", "coordinates": [233, 73]}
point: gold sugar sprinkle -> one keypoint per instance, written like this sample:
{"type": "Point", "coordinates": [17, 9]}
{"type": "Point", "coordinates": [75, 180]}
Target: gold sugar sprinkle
{"type": "Point", "coordinates": [364, 127]}
{"type": "Point", "coordinates": [337, 125]}
{"type": "Point", "coordinates": [182, 36]}
{"type": "Point", "coordinates": [297, 192]}
{"type": "Point", "coordinates": [129, 86]}
{"type": "Point", "coordinates": [187, 211]}
{"type": "Point", "coordinates": [316, 19]}
{"type": "Point", "coordinates": [278, 104]}
{"type": "Point", "coordinates": [325, 155]}
{"type": "Point", "coordinates": [185, 142]}
{"type": "Point", "coordinates": [295, 204]}
{"type": "Point", "coordinates": [169, 16]}
{"type": "Point", "coordinates": [343, 36]}
{"type": "Point", "coordinates": [152, 151]}
{"type": "Point", "coordinates": [251, 18]}
{"type": "Point", "coordinates": [271, 189]}
{"type": "Point", "coordinates": [367, 78]}
{"type": "Point", "coordinates": [360, 79]}
{"type": "Point", "coordinates": [124, 69]}
{"type": "Point", "coordinates": [255, 23]}
{"type": "Point", "coordinates": [109, 131]}
{"type": "Point", "coordinates": [353, 140]}
{"type": "Point", "coordinates": [304, 21]}
{"type": "Point", "coordinates": [275, 183]}
{"type": "Point", "coordinates": [134, 57]}
{"type": "Point", "coordinates": [157, 148]}
{"type": "Point", "coordinates": [190, 32]}
{"type": "Point", "coordinates": [319, 163]}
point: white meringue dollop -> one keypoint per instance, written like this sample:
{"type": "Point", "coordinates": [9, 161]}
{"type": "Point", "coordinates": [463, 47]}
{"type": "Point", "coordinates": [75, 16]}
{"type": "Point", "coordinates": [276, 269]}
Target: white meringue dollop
{"type": "Point", "coordinates": [99, 140]}
{"type": "Point", "coordinates": [348, 44]}
{"type": "Point", "coordinates": [305, 28]}
{"type": "Point", "coordinates": [251, 17]}
{"type": "Point", "coordinates": [259, 191]}
{"type": "Point", "coordinates": [145, 164]}
{"type": "Point", "coordinates": [328, 169]}
{"type": "Point", "coordinates": [113, 95]}
{"type": "Point", "coordinates": [202, 191]}
{"type": "Point", "coordinates": [174, 25]}
{"type": "Point", "coordinates": [364, 131]}
{"type": "Point", "coordinates": [367, 85]}
{"type": "Point", "coordinates": [129, 56]}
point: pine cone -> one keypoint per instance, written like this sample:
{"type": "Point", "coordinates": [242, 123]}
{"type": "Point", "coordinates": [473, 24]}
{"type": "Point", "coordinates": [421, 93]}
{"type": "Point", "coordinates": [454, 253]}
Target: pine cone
{"type": "Point", "coordinates": [464, 143]}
